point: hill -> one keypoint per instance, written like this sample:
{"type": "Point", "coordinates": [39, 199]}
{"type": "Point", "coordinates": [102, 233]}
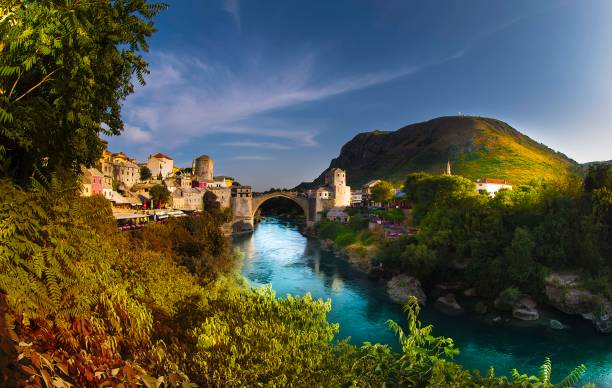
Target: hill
{"type": "Point", "coordinates": [477, 147]}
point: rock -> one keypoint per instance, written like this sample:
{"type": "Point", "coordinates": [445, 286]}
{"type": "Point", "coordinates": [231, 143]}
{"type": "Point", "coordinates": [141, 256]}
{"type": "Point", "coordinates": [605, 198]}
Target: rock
{"type": "Point", "coordinates": [525, 309]}
{"type": "Point", "coordinates": [470, 292]}
{"type": "Point", "coordinates": [481, 308]}
{"type": "Point", "coordinates": [565, 292]}
{"type": "Point", "coordinates": [400, 287]}
{"type": "Point", "coordinates": [449, 303]}
{"type": "Point", "coordinates": [497, 319]}
{"type": "Point", "coordinates": [556, 325]}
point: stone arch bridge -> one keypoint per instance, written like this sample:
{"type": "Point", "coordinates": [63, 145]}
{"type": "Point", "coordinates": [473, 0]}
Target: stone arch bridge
{"type": "Point", "coordinates": [245, 208]}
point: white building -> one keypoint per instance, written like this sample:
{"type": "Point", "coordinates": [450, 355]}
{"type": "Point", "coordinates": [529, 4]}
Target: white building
{"type": "Point", "coordinates": [356, 197]}
{"type": "Point", "coordinates": [160, 164]}
{"type": "Point", "coordinates": [492, 186]}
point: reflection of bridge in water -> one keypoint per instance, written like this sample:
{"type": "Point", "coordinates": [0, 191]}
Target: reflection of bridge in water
{"type": "Point", "coordinates": [245, 208]}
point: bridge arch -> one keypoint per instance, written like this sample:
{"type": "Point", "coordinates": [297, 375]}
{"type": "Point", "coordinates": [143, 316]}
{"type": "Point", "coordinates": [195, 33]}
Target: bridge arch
{"type": "Point", "coordinates": [301, 201]}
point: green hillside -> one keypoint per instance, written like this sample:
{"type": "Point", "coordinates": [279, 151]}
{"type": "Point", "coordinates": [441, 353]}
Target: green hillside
{"type": "Point", "coordinates": [477, 147]}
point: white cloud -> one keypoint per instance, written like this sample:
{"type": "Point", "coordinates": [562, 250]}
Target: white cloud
{"type": "Point", "coordinates": [137, 135]}
{"type": "Point", "coordinates": [233, 8]}
{"type": "Point", "coordinates": [257, 144]}
{"type": "Point", "coordinates": [186, 98]}
{"type": "Point", "coordinates": [252, 157]}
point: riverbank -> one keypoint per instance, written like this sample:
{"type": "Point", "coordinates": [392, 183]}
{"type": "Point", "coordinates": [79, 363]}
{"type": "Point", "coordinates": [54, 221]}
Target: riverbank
{"type": "Point", "coordinates": [277, 253]}
{"type": "Point", "coordinates": [563, 300]}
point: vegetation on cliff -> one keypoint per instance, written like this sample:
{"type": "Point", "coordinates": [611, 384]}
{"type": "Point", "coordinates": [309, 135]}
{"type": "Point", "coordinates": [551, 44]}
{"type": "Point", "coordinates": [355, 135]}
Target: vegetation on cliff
{"type": "Point", "coordinates": [476, 147]}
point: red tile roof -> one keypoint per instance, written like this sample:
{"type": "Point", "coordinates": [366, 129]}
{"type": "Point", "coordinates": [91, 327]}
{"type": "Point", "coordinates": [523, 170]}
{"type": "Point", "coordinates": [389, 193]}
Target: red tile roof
{"type": "Point", "coordinates": [494, 181]}
{"type": "Point", "coordinates": [159, 155]}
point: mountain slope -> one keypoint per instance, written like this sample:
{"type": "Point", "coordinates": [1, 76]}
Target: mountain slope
{"type": "Point", "coordinates": [477, 147]}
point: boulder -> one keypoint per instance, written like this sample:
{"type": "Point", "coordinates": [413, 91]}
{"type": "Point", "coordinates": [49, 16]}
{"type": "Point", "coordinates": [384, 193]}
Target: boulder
{"type": "Point", "coordinates": [481, 308]}
{"type": "Point", "coordinates": [470, 292]}
{"type": "Point", "coordinates": [525, 309]}
{"type": "Point", "coordinates": [565, 292]}
{"type": "Point", "coordinates": [449, 303]}
{"type": "Point", "coordinates": [497, 319]}
{"type": "Point", "coordinates": [400, 287]}
{"type": "Point", "coordinates": [556, 325]}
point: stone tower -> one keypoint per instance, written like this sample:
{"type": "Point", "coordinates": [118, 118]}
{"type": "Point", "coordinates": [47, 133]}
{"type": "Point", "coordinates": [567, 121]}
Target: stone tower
{"type": "Point", "coordinates": [203, 168]}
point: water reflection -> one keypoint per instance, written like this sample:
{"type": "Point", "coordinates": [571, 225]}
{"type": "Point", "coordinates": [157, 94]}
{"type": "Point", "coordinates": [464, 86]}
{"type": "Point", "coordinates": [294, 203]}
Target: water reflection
{"type": "Point", "coordinates": [278, 254]}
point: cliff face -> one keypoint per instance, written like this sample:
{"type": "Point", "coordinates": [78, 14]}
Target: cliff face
{"type": "Point", "coordinates": [477, 147]}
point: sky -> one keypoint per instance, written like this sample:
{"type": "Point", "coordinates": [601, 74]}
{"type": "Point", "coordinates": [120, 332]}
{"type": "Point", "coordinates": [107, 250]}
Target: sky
{"type": "Point", "coordinates": [272, 89]}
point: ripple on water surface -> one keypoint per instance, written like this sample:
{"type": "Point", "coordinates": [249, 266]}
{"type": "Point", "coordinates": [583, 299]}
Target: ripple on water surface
{"type": "Point", "coordinates": [276, 253]}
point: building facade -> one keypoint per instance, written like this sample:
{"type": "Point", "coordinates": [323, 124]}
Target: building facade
{"type": "Point", "coordinates": [160, 165]}
{"type": "Point", "coordinates": [492, 186]}
{"type": "Point", "coordinates": [203, 168]}
{"type": "Point", "coordinates": [190, 198]}
{"type": "Point", "coordinates": [127, 173]}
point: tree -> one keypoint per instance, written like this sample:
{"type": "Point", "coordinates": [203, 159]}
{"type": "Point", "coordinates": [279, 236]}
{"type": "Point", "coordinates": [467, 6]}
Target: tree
{"type": "Point", "coordinates": [65, 67]}
{"type": "Point", "coordinates": [598, 176]}
{"type": "Point", "coordinates": [383, 192]}
{"type": "Point", "coordinates": [145, 173]}
{"type": "Point", "coordinates": [159, 194]}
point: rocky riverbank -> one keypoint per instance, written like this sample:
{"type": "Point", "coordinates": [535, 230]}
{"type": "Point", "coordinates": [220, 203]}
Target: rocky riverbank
{"type": "Point", "coordinates": [564, 295]}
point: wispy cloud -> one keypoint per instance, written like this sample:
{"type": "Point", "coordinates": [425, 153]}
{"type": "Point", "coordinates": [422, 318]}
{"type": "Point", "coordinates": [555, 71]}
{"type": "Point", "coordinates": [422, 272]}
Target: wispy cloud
{"type": "Point", "coordinates": [252, 157]}
{"type": "Point", "coordinates": [137, 135]}
{"type": "Point", "coordinates": [186, 98]}
{"type": "Point", "coordinates": [233, 8]}
{"type": "Point", "coordinates": [257, 144]}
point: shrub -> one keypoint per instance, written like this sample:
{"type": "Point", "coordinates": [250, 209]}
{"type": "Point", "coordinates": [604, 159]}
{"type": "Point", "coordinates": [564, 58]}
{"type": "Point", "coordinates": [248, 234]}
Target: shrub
{"type": "Point", "coordinates": [508, 298]}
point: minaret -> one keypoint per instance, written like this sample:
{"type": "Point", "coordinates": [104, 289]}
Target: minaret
{"type": "Point", "coordinates": [448, 168]}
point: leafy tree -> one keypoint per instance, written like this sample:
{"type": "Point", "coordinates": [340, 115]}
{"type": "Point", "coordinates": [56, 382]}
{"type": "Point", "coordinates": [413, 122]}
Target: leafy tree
{"type": "Point", "coordinates": [598, 176]}
{"type": "Point", "coordinates": [145, 173]}
{"type": "Point", "coordinates": [159, 195]}
{"type": "Point", "coordinates": [65, 67]}
{"type": "Point", "coordinates": [383, 192]}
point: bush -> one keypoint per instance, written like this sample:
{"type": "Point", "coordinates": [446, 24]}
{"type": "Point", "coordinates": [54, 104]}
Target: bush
{"type": "Point", "coordinates": [508, 298]}
{"type": "Point", "coordinates": [345, 238]}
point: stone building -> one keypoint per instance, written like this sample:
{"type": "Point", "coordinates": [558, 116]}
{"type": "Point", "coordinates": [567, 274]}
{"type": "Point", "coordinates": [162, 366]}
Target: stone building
{"type": "Point", "coordinates": [126, 172]}
{"type": "Point", "coordinates": [223, 195]}
{"type": "Point", "coordinates": [203, 168]}
{"type": "Point", "coordinates": [333, 194]}
{"type": "Point", "coordinates": [335, 180]}
{"type": "Point", "coordinates": [189, 198]}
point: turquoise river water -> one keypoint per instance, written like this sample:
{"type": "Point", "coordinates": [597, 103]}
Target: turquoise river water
{"type": "Point", "coordinates": [276, 253]}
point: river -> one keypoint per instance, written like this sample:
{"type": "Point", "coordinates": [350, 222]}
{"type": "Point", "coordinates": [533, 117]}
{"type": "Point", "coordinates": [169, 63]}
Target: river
{"type": "Point", "coordinates": [276, 253]}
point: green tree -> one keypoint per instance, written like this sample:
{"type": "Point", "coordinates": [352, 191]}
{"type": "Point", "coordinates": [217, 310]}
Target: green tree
{"type": "Point", "coordinates": [159, 195]}
{"type": "Point", "coordinates": [145, 173]}
{"type": "Point", "coordinates": [65, 67]}
{"type": "Point", "coordinates": [598, 176]}
{"type": "Point", "coordinates": [383, 192]}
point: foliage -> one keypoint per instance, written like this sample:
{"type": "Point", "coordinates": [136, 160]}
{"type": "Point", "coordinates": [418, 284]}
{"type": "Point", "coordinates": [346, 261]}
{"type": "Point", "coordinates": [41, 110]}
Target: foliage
{"type": "Point", "coordinates": [145, 173]}
{"type": "Point", "coordinates": [65, 67]}
{"type": "Point", "coordinates": [508, 298]}
{"type": "Point", "coordinates": [511, 240]}
{"type": "Point", "coordinates": [159, 195]}
{"type": "Point", "coordinates": [543, 380]}
{"type": "Point", "coordinates": [382, 192]}
{"type": "Point", "coordinates": [252, 338]}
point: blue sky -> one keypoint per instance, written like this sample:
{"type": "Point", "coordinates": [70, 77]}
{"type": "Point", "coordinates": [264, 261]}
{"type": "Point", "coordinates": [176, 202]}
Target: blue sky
{"type": "Point", "coordinates": [272, 89]}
